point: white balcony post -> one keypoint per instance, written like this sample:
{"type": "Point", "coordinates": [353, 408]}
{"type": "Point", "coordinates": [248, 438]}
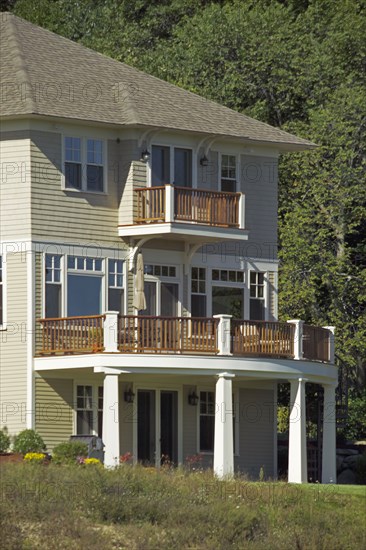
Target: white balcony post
{"type": "Point", "coordinates": [329, 460]}
{"type": "Point", "coordinates": [299, 331]}
{"type": "Point", "coordinates": [111, 420]}
{"type": "Point", "coordinates": [169, 203]}
{"type": "Point", "coordinates": [297, 451]}
{"type": "Point", "coordinates": [331, 344]}
{"type": "Point", "coordinates": [223, 334]}
{"type": "Point", "coordinates": [242, 211]}
{"type": "Point", "coordinates": [224, 441]}
{"type": "Point", "coordinates": [110, 333]}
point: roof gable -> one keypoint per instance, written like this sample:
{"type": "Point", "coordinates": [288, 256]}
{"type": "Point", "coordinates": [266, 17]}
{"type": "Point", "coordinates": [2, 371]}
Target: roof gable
{"type": "Point", "coordinates": [45, 74]}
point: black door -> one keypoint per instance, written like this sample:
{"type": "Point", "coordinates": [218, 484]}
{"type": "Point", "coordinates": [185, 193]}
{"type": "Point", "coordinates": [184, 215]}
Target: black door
{"type": "Point", "coordinates": [146, 426]}
{"type": "Point", "coordinates": [169, 426]}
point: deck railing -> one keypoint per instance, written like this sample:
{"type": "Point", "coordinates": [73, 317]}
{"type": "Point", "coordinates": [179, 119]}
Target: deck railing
{"type": "Point", "coordinates": [72, 335]}
{"type": "Point", "coordinates": [271, 339]}
{"type": "Point", "coordinates": [140, 334]}
{"type": "Point", "coordinates": [184, 204]}
{"type": "Point", "coordinates": [150, 204]}
{"type": "Point", "coordinates": [315, 343]}
{"type": "Point", "coordinates": [221, 335]}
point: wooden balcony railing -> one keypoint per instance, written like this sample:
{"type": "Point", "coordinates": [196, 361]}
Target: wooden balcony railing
{"type": "Point", "coordinates": [72, 335]}
{"type": "Point", "coordinates": [184, 204]}
{"type": "Point", "coordinates": [140, 334]}
{"type": "Point", "coordinates": [219, 335]}
{"type": "Point", "coordinates": [315, 343]}
{"type": "Point", "coordinates": [255, 338]}
{"type": "Point", "coordinates": [150, 204]}
{"type": "Point", "coordinates": [207, 207]}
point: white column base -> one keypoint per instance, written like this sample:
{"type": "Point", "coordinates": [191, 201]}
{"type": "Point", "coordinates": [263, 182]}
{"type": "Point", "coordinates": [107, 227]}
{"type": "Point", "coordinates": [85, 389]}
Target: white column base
{"type": "Point", "coordinates": [224, 442]}
{"type": "Point", "coordinates": [111, 420]}
{"type": "Point", "coordinates": [329, 460]}
{"type": "Point", "coordinates": [297, 451]}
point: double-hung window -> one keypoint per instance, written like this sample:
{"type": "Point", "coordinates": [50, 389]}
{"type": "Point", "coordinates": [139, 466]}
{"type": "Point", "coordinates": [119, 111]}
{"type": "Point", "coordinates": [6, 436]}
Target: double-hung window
{"type": "Point", "coordinates": [84, 164]}
{"type": "Point", "coordinates": [198, 292]}
{"type": "Point", "coordinates": [115, 286]}
{"type": "Point", "coordinates": [257, 299]}
{"type": "Point", "coordinates": [228, 173]}
{"type": "Point", "coordinates": [84, 410]}
{"type": "Point", "coordinates": [53, 285]}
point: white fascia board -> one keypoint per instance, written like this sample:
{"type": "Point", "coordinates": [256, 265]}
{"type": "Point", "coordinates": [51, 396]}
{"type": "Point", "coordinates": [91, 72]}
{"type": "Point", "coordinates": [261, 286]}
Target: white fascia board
{"type": "Point", "coordinates": [183, 229]}
{"type": "Point", "coordinates": [255, 368]}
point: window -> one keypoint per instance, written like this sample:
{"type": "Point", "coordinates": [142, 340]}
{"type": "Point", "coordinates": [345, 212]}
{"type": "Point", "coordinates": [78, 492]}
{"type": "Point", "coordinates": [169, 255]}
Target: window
{"type": "Point", "coordinates": [170, 165]}
{"type": "Point", "coordinates": [162, 296]}
{"type": "Point", "coordinates": [257, 301]}
{"type": "Point", "coordinates": [207, 420]}
{"type": "Point", "coordinates": [84, 286]}
{"type": "Point", "coordinates": [182, 167]}
{"type": "Point", "coordinates": [228, 173]}
{"type": "Point", "coordinates": [228, 300]}
{"type": "Point", "coordinates": [160, 270]}
{"type": "Point", "coordinates": [160, 166]}
{"type": "Point", "coordinates": [84, 164]}
{"type": "Point", "coordinates": [84, 410]}
{"type": "Point", "coordinates": [53, 285]}
{"type": "Point", "coordinates": [198, 292]}
{"type": "Point", "coordinates": [1, 292]}
{"type": "Point", "coordinates": [115, 286]}
{"type": "Point", "coordinates": [224, 275]}
{"type": "Point", "coordinates": [100, 411]}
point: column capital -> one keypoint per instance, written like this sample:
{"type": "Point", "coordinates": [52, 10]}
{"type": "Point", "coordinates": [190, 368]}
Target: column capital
{"type": "Point", "coordinates": [226, 375]}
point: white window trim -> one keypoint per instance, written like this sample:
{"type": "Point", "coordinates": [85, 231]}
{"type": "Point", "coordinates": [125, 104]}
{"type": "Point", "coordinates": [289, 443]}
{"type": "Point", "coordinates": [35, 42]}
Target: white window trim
{"type": "Point", "coordinates": [106, 286]}
{"type": "Point", "coordinates": [95, 386]}
{"type": "Point", "coordinates": [171, 147]}
{"type": "Point", "coordinates": [236, 395]}
{"type": "Point", "coordinates": [84, 163]}
{"type": "Point", "coordinates": [3, 325]}
{"type": "Point", "coordinates": [237, 168]}
{"type": "Point", "coordinates": [265, 291]}
{"type": "Point", "coordinates": [80, 272]}
{"type": "Point", "coordinates": [163, 279]}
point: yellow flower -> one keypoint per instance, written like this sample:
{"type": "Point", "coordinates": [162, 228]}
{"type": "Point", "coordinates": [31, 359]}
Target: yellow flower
{"type": "Point", "coordinates": [92, 461]}
{"type": "Point", "coordinates": [35, 457]}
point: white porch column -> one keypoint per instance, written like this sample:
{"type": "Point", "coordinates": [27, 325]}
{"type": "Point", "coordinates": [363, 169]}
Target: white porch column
{"type": "Point", "coordinates": [110, 333]}
{"type": "Point", "coordinates": [111, 420]}
{"type": "Point", "coordinates": [169, 203]}
{"type": "Point", "coordinates": [223, 334]}
{"type": "Point", "coordinates": [242, 211]}
{"type": "Point", "coordinates": [299, 324]}
{"type": "Point", "coordinates": [297, 452]}
{"type": "Point", "coordinates": [329, 461]}
{"type": "Point", "coordinates": [331, 344]}
{"type": "Point", "coordinates": [224, 443]}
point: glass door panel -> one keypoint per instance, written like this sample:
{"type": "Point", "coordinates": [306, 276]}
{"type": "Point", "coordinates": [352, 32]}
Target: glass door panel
{"type": "Point", "coordinates": [228, 300]}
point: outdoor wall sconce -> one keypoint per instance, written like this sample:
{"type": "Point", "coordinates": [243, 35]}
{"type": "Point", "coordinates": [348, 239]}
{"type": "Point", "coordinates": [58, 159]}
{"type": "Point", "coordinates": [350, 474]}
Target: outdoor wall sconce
{"type": "Point", "coordinates": [145, 155]}
{"type": "Point", "coordinates": [204, 161]}
{"type": "Point", "coordinates": [193, 398]}
{"type": "Point", "coordinates": [129, 396]}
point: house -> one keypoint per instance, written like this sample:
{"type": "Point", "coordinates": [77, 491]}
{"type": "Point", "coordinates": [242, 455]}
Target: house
{"type": "Point", "coordinates": [139, 267]}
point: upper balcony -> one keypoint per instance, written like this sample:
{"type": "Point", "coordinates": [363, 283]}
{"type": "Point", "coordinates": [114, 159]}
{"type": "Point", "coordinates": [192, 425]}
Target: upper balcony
{"type": "Point", "coordinates": [183, 213]}
{"type": "Point", "coordinates": [219, 335]}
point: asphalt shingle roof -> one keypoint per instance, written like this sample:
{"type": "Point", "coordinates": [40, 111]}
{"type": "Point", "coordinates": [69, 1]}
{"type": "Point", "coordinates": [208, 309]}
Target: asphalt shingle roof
{"type": "Point", "coordinates": [45, 74]}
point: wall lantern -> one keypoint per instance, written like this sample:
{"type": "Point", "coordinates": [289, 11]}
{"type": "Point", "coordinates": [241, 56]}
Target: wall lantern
{"type": "Point", "coordinates": [145, 155]}
{"type": "Point", "coordinates": [129, 396]}
{"type": "Point", "coordinates": [193, 398]}
{"type": "Point", "coordinates": [204, 161]}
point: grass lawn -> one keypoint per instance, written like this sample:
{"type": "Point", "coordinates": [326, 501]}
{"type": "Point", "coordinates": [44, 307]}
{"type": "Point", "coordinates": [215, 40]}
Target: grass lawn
{"type": "Point", "coordinates": [79, 507]}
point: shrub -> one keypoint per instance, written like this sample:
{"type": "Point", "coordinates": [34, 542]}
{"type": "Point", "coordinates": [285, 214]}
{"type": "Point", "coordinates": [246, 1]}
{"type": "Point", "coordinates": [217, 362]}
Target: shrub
{"type": "Point", "coordinates": [4, 441]}
{"type": "Point", "coordinates": [29, 441]}
{"type": "Point", "coordinates": [69, 452]}
{"type": "Point", "coordinates": [361, 470]}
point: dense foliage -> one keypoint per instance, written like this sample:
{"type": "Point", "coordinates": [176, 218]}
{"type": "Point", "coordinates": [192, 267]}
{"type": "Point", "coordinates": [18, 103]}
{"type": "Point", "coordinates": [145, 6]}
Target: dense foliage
{"type": "Point", "coordinates": [28, 441]}
{"type": "Point", "coordinates": [69, 452]}
{"type": "Point", "coordinates": [4, 441]}
{"type": "Point", "coordinates": [298, 64]}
